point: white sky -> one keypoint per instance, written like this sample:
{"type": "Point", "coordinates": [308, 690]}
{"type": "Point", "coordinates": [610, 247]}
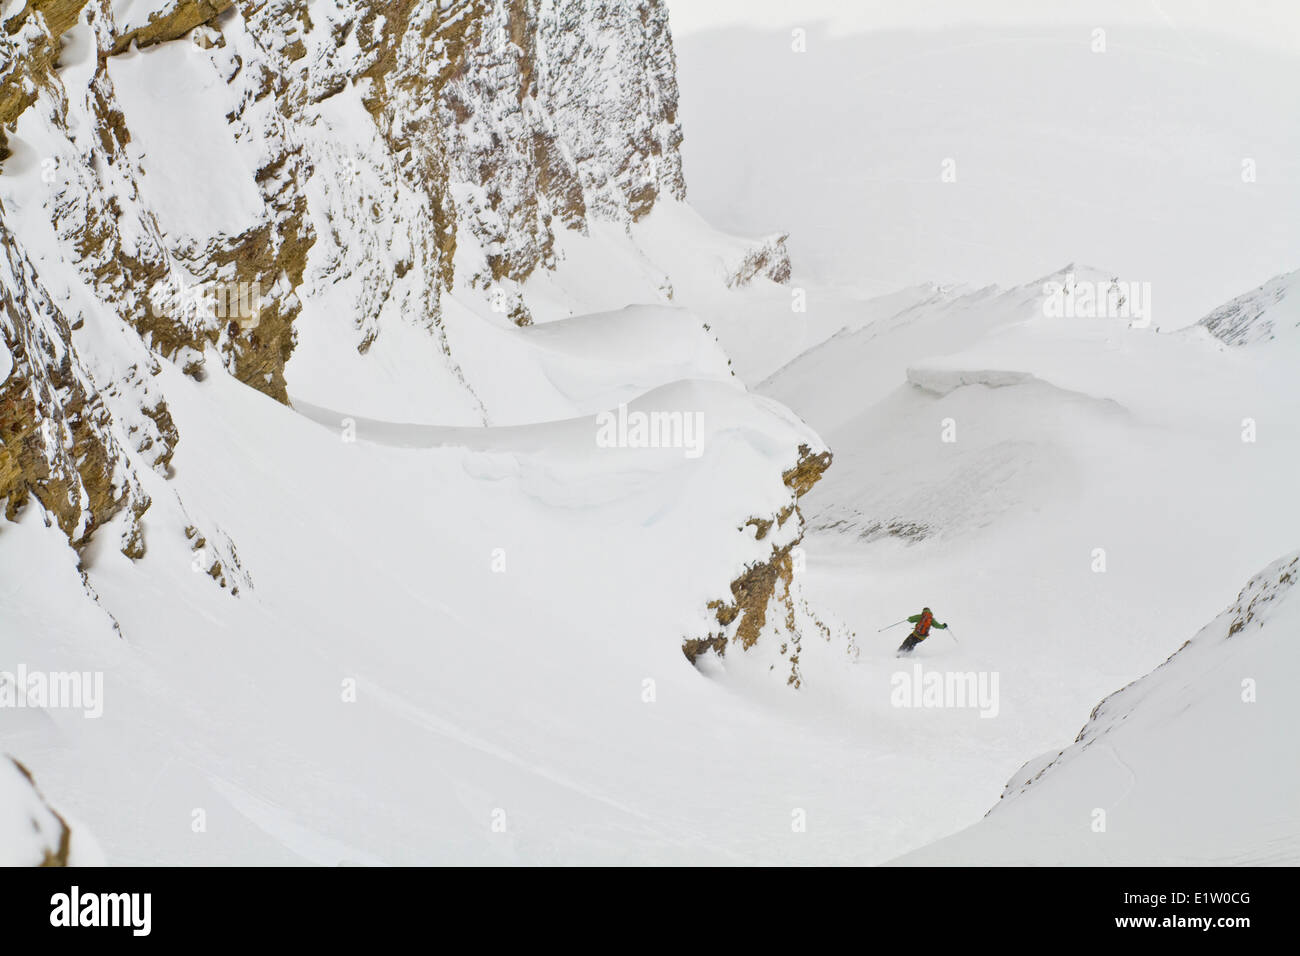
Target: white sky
{"type": "Point", "coordinates": [1271, 22]}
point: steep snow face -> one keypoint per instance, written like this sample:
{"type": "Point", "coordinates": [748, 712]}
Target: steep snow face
{"type": "Point", "coordinates": [1270, 313]}
{"type": "Point", "coordinates": [657, 279]}
{"type": "Point", "coordinates": [1193, 764]}
{"type": "Point", "coordinates": [876, 342]}
{"type": "Point", "coordinates": [172, 128]}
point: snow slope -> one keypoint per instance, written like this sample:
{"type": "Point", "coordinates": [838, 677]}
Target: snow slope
{"type": "Point", "coordinates": [175, 135]}
{"type": "Point", "coordinates": [1267, 314]}
{"type": "Point", "coordinates": [415, 610]}
{"type": "Point", "coordinates": [508, 679]}
{"type": "Point", "coordinates": [368, 629]}
{"type": "Point", "coordinates": [1175, 455]}
{"type": "Point", "coordinates": [1193, 764]}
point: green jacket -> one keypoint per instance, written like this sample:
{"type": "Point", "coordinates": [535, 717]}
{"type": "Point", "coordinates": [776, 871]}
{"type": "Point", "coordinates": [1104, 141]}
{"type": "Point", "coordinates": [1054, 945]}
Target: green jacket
{"type": "Point", "coordinates": [925, 629]}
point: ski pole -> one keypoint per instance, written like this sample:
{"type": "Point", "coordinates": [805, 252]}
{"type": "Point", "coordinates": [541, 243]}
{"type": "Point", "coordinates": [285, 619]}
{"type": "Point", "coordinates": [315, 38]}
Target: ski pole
{"type": "Point", "coordinates": [895, 624]}
{"type": "Point", "coordinates": [952, 635]}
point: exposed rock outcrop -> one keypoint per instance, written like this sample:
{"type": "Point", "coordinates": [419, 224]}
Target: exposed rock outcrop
{"type": "Point", "coordinates": [171, 21]}
{"type": "Point", "coordinates": [57, 441]}
{"type": "Point", "coordinates": [32, 833]}
{"type": "Point", "coordinates": [562, 112]}
{"type": "Point", "coordinates": [767, 587]}
{"type": "Point", "coordinates": [770, 258]}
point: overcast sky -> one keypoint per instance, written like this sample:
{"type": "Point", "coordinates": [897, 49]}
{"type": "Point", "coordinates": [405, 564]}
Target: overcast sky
{"type": "Point", "coordinates": [1272, 22]}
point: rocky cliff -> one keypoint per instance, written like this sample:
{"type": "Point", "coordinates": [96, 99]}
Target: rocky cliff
{"type": "Point", "coordinates": [200, 174]}
{"type": "Point", "coordinates": [193, 181]}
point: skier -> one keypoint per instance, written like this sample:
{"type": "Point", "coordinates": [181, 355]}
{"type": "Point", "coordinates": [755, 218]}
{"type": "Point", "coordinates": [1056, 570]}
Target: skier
{"type": "Point", "coordinates": [923, 621]}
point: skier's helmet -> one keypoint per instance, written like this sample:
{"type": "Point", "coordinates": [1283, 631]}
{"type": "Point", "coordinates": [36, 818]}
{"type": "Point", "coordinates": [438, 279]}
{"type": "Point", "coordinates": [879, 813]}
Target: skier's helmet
{"type": "Point", "coordinates": [925, 610]}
